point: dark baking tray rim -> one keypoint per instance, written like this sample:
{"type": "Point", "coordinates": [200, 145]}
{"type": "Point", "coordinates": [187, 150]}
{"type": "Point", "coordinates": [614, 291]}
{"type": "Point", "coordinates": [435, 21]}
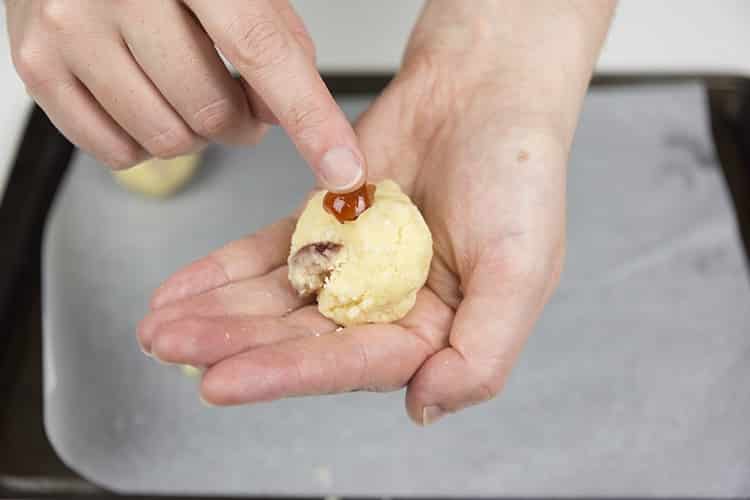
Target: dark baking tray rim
{"type": "Point", "coordinates": [43, 157]}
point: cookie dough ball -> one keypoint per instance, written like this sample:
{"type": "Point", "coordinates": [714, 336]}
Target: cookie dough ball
{"type": "Point", "coordinates": [365, 271]}
{"type": "Point", "coordinates": [190, 371]}
{"type": "Point", "coordinates": [159, 178]}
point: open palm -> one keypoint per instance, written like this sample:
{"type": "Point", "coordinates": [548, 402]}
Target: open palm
{"type": "Point", "coordinates": [491, 187]}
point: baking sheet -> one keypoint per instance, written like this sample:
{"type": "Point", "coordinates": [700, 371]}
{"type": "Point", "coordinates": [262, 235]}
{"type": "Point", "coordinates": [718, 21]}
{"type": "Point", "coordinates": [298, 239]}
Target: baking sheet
{"type": "Point", "coordinates": [635, 382]}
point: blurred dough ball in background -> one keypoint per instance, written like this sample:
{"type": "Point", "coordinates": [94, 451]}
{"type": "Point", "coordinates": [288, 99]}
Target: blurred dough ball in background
{"type": "Point", "coordinates": [159, 178]}
{"type": "Point", "coordinates": [190, 371]}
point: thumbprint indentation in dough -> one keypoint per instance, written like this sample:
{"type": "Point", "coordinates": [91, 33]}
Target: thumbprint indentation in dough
{"type": "Point", "coordinates": [311, 266]}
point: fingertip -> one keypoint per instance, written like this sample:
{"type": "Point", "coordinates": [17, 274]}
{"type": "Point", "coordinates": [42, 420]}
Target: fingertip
{"type": "Point", "coordinates": [215, 391]}
{"type": "Point", "coordinates": [243, 379]}
{"type": "Point", "coordinates": [148, 327]}
{"type": "Point", "coordinates": [414, 416]}
{"type": "Point", "coordinates": [172, 343]}
{"type": "Point", "coordinates": [341, 170]}
{"type": "Point", "coordinates": [187, 340]}
{"type": "Point", "coordinates": [414, 403]}
{"type": "Point", "coordinates": [448, 383]}
{"type": "Point", "coordinates": [143, 349]}
{"type": "Point", "coordinates": [431, 414]}
{"type": "Point", "coordinates": [161, 296]}
{"type": "Point", "coordinates": [424, 415]}
{"type": "Point", "coordinates": [206, 403]}
{"type": "Point", "coordinates": [144, 333]}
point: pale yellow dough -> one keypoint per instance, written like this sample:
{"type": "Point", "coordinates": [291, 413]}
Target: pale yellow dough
{"type": "Point", "coordinates": [159, 178]}
{"type": "Point", "coordinates": [190, 371]}
{"type": "Point", "coordinates": [365, 271]}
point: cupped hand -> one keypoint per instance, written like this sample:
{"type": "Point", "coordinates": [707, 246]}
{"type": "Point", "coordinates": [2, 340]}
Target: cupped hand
{"type": "Point", "coordinates": [490, 183]}
{"type": "Point", "coordinates": [129, 80]}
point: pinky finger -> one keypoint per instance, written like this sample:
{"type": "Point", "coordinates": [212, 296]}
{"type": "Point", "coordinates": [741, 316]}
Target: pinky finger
{"type": "Point", "coordinates": [75, 112]}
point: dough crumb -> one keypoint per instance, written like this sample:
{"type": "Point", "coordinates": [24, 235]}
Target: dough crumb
{"type": "Point", "coordinates": [159, 178]}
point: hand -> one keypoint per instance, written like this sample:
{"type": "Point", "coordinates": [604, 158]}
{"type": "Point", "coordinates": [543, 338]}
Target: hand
{"type": "Point", "coordinates": [129, 80]}
{"type": "Point", "coordinates": [486, 166]}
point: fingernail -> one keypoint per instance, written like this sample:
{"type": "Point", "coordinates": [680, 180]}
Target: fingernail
{"type": "Point", "coordinates": [340, 169]}
{"type": "Point", "coordinates": [144, 351]}
{"type": "Point", "coordinates": [431, 414]}
{"type": "Point", "coordinates": [206, 403]}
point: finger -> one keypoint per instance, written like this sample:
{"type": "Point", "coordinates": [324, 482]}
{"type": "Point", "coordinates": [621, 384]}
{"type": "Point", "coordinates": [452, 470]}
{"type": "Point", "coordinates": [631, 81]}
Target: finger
{"type": "Point", "coordinates": [249, 257]}
{"type": "Point", "coordinates": [255, 39]}
{"type": "Point", "coordinates": [267, 295]}
{"type": "Point", "coordinates": [493, 321]}
{"type": "Point", "coordinates": [204, 341]}
{"type": "Point", "coordinates": [73, 110]}
{"type": "Point", "coordinates": [297, 27]}
{"type": "Point", "coordinates": [182, 62]}
{"type": "Point", "coordinates": [371, 357]}
{"type": "Point", "coordinates": [131, 99]}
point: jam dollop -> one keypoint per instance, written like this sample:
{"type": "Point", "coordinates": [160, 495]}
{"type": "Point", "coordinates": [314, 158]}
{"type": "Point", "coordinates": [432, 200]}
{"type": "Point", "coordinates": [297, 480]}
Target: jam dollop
{"type": "Point", "coordinates": [346, 207]}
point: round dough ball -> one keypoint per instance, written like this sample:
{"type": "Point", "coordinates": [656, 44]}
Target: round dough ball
{"type": "Point", "coordinates": [159, 178]}
{"type": "Point", "coordinates": [365, 271]}
{"type": "Point", "coordinates": [190, 371]}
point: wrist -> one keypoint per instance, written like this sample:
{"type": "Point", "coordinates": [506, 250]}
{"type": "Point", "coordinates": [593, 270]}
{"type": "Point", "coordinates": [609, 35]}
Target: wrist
{"type": "Point", "coordinates": [532, 59]}
{"type": "Point", "coordinates": [524, 30]}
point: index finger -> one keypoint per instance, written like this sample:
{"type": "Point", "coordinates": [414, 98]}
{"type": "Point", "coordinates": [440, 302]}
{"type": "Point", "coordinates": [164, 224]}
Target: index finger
{"type": "Point", "coordinates": [257, 41]}
{"type": "Point", "coordinates": [249, 257]}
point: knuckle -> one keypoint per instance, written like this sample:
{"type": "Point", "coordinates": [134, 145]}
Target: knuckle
{"type": "Point", "coordinates": [123, 157]}
{"type": "Point", "coordinates": [538, 271]}
{"type": "Point", "coordinates": [57, 14]}
{"type": "Point", "coordinates": [519, 265]}
{"type": "Point", "coordinates": [259, 45]}
{"type": "Point", "coordinates": [511, 265]}
{"type": "Point", "coordinates": [171, 143]}
{"type": "Point", "coordinates": [214, 119]}
{"type": "Point", "coordinates": [27, 59]}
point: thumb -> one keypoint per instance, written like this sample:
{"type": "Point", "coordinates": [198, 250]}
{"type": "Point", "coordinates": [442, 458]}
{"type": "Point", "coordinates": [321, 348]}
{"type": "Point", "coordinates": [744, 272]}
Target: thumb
{"type": "Point", "coordinates": [503, 298]}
